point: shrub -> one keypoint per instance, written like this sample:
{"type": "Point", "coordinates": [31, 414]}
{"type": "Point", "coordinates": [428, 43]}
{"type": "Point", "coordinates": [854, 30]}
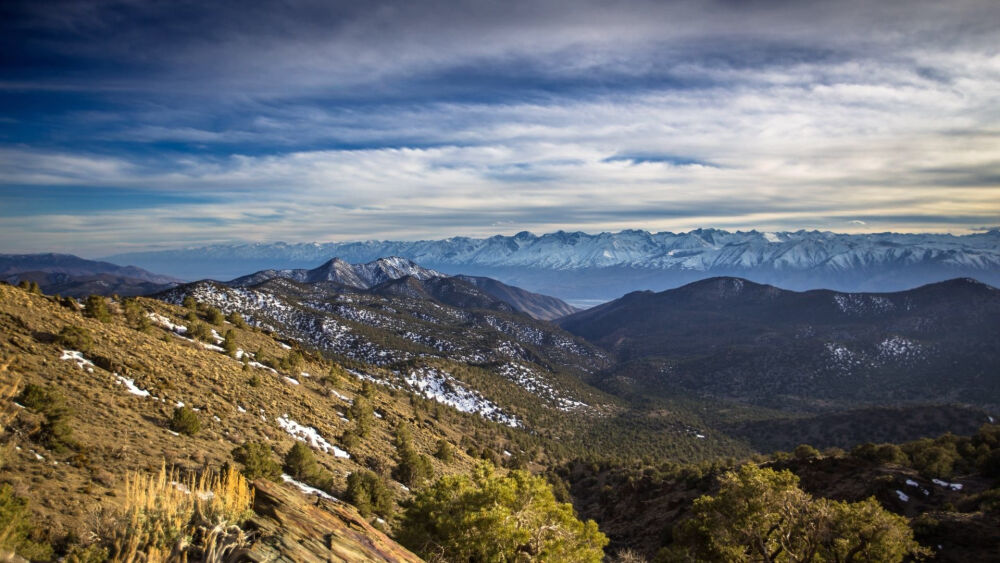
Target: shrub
{"type": "Point", "coordinates": [487, 517]}
{"type": "Point", "coordinates": [805, 451]}
{"type": "Point", "coordinates": [762, 514]}
{"type": "Point", "coordinates": [363, 415]}
{"type": "Point", "coordinates": [229, 344]}
{"type": "Point", "coordinates": [413, 468]}
{"type": "Point", "coordinates": [236, 319]}
{"type": "Point", "coordinates": [185, 421]}
{"type": "Point", "coordinates": [135, 315]}
{"type": "Point", "coordinates": [444, 452]}
{"type": "Point", "coordinates": [55, 431]}
{"type": "Point", "coordinates": [258, 461]}
{"type": "Point", "coordinates": [16, 527]}
{"type": "Point", "coordinates": [96, 307]}
{"type": "Point", "coordinates": [75, 337]}
{"type": "Point", "coordinates": [369, 494]}
{"type": "Point", "coordinates": [190, 303]}
{"type": "Point", "coordinates": [164, 513]}
{"type": "Point", "coordinates": [301, 465]}
{"type": "Point", "coordinates": [214, 316]}
{"type": "Point", "coordinates": [200, 331]}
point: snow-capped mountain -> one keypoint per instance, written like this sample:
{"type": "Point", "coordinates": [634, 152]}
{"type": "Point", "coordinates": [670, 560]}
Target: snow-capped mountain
{"type": "Point", "coordinates": [603, 266]}
{"type": "Point", "coordinates": [360, 276]}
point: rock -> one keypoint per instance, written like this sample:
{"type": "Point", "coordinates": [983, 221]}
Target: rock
{"type": "Point", "coordinates": [293, 528]}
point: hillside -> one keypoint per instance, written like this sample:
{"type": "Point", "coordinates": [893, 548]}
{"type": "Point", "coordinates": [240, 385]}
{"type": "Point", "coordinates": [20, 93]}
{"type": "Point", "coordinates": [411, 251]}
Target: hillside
{"type": "Point", "coordinates": [377, 277]}
{"type": "Point", "coordinates": [580, 267]}
{"type": "Point", "coordinates": [734, 339]}
{"type": "Point", "coordinates": [946, 486]}
{"type": "Point", "coordinates": [66, 274]}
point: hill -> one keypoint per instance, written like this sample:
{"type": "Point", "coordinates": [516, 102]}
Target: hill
{"type": "Point", "coordinates": [377, 276]}
{"type": "Point", "coordinates": [731, 338]}
{"type": "Point", "coordinates": [66, 274]}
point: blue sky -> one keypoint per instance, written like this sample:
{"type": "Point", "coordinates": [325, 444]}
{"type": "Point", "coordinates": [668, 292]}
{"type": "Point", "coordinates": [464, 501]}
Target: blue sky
{"type": "Point", "coordinates": [128, 125]}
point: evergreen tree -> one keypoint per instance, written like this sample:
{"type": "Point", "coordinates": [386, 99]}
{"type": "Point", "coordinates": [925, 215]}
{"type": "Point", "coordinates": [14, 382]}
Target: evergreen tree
{"type": "Point", "coordinates": [96, 307]}
{"type": "Point", "coordinates": [258, 461]}
{"type": "Point", "coordinates": [488, 517]}
{"type": "Point", "coordinates": [762, 515]}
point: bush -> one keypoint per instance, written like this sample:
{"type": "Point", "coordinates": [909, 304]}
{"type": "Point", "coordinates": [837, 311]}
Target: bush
{"type": "Point", "coordinates": [413, 468]}
{"type": "Point", "coordinates": [16, 527]}
{"type": "Point", "coordinates": [487, 517]}
{"type": "Point", "coordinates": [301, 465]}
{"type": "Point", "coordinates": [185, 421]}
{"type": "Point", "coordinates": [236, 319]}
{"type": "Point", "coordinates": [75, 338]}
{"type": "Point", "coordinates": [135, 315]}
{"type": "Point", "coordinates": [200, 330]}
{"type": "Point", "coordinates": [369, 494]}
{"type": "Point", "coordinates": [444, 452]}
{"type": "Point", "coordinates": [363, 415]}
{"type": "Point", "coordinates": [762, 514]}
{"type": "Point", "coordinates": [229, 344]}
{"type": "Point", "coordinates": [805, 451]}
{"type": "Point", "coordinates": [160, 517]}
{"type": "Point", "coordinates": [190, 303]}
{"type": "Point", "coordinates": [258, 461]}
{"type": "Point", "coordinates": [96, 307]}
{"type": "Point", "coordinates": [214, 316]}
{"type": "Point", "coordinates": [55, 431]}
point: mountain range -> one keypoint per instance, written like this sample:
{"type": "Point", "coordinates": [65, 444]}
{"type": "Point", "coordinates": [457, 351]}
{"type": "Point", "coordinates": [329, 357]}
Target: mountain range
{"type": "Point", "coordinates": [732, 338]}
{"type": "Point", "coordinates": [585, 268]}
{"type": "Point", "coordinates": [66, 274]}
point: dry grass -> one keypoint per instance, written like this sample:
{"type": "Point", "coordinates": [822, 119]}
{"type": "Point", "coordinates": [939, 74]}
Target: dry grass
{"type": "Point", "coordinates": [166, 517]}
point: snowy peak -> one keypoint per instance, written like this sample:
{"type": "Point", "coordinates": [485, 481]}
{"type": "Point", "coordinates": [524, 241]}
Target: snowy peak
{"type": "Point", "coordinates": [358, 276]}
{"type": "Point", "coordinates": [392, 268]}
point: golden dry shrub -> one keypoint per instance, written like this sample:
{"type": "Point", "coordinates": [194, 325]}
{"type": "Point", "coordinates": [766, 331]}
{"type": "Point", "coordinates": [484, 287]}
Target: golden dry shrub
{"type": "Point", "coordinates": [170, 518]}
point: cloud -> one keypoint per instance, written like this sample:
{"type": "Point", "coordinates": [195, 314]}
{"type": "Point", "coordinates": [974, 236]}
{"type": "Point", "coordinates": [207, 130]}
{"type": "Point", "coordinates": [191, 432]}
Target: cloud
{"type": "Point", "coordinates": [192, 122]}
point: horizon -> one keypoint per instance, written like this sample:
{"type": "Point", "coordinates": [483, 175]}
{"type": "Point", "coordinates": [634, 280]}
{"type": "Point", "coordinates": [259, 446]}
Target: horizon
{"type": "Point", "coordinates": [131, 127]}
{"type": "Point", "coordinates": [235, 243]}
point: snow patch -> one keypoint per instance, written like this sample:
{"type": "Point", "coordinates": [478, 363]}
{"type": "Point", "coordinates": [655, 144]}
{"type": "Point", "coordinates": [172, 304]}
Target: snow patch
{"type": "Point", "coordinates": [311, 436]}
{"type": "Point", "coordinates": [306, 488]}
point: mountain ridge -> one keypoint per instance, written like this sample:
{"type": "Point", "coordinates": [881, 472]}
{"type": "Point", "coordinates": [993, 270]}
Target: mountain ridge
{"type": "Point", "coordinates": [577, 265]}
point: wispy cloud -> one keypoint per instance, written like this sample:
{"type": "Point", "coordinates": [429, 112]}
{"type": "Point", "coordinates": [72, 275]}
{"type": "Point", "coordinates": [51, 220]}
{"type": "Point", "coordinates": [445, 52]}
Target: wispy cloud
{"type": "Point", "coordinates": [408, 120]}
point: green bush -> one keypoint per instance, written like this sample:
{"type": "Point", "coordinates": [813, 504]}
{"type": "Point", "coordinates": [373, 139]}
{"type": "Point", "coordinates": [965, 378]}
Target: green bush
{"type": "Point", "coordinates": [16, 527]}
{"type": "Point", "coordinates": [229, 344]}
{"type": "Point", "coordinates": [258, 461]}
{"type": "Point", "coordinates": [96, 307]}
{"type": "Point", "coordinates": [190, 303]}
{"type": "Point", "coordinates": [301, 465]}
{"type": "Point", "coordinates": [369, 494]}
{"type": "Point", "coordinates": [805, 451]}
{"type": "Point", "coordinates": [185, 421]}
{"type": "Point", "coordinates": [236, 319]}
{"type": "Point", "coordinates": [445, 452]}
{"type": "Point", "coordinates": [214, 316]}
{"type": "Point", "coordinates": [414, 468]}
{"type": "Point", "coordinates": [760, 514]}
{"type": "Point", "coordinates": [75, 337]}
{"type": "Point", "coordinates": [200, 331]}
{"type": "Point", "coordinates": [488, 517]}
{"type": "Point", "coordinates": [363, 415]}
{"type": "Point", "coordinates": [55, 431]}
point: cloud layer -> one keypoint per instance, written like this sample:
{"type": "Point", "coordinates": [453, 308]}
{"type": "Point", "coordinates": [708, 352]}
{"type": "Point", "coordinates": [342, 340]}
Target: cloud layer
{"type": "Point", "coordinates": [130, 125]}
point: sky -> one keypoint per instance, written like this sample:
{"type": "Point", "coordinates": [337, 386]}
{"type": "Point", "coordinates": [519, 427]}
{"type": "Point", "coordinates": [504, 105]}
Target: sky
{"type": "Point", "coordinates": [129, 125]}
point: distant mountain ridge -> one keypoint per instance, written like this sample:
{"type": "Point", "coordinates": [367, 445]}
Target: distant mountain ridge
{"type": "Point", "coordinates": [729, 337]}
{"type": "Point", "coordinates": [66, 274]}
{"type": "Point", "coordinates": [606, 265]}
{"type": "Point", "coordinates": [395, 275]}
